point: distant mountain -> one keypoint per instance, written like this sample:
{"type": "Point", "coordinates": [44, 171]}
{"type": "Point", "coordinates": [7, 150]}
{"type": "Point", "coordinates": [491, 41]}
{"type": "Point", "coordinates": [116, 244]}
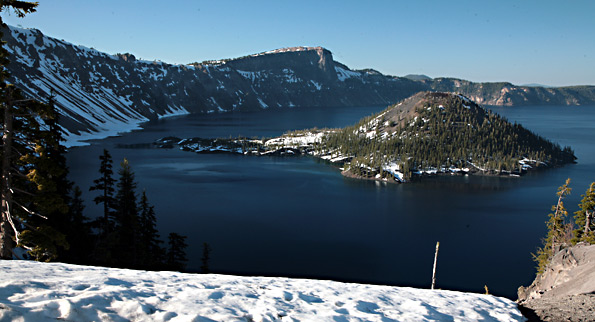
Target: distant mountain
{"type": "Point", "coordinates": [507, 94]}
{"type": "Point", "coordinates": [417, 77]}
{"type": "Point", "coordinates": [537, 85]}
{"type": "Point", "coordinates": [99, 94]}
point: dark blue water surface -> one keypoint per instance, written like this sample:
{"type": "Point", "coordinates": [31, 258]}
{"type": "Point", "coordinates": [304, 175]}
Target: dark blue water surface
{"type": "Point", "coordinates": [299, 217]}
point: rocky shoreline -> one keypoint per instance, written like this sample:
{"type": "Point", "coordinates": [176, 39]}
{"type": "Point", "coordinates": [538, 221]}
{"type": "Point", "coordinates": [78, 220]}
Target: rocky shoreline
{"type": "Point", "coordinates": [305, 144]}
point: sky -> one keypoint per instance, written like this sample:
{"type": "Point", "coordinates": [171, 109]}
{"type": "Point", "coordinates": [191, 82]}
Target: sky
{"type": "Point", "coordinates": [523, 42]}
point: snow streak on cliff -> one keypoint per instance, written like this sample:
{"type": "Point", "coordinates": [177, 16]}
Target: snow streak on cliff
{"type": "Point", "coordinates": [99, 94]}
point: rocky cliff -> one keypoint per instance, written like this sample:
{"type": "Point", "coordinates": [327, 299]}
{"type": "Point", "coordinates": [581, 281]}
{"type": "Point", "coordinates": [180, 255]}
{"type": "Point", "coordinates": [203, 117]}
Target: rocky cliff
{"type": "Point", "coordinates": [508, 94]}
{"type": "Point", "coordinates": [99, 94]}
{"type": "Point", "coordinates": [566, 289]}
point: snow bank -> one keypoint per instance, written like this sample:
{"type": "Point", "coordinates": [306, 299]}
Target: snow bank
{"type": "Point", "coordinates": [31, 291]}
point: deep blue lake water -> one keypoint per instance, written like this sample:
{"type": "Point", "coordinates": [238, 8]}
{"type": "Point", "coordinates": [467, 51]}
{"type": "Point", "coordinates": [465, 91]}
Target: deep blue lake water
{"type": "Point", "coordinates": [296, 216]}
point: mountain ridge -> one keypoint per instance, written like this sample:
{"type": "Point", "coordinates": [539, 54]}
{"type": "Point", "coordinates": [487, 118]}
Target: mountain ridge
{"type": "Point", "coordinates": [99, 94]}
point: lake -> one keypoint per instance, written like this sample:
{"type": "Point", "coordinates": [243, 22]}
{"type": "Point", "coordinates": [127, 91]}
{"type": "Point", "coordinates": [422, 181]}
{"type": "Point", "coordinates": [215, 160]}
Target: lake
{"type": "Point", "coordinates": [298, 217]}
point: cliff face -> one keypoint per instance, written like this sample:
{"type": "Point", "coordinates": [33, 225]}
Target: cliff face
{"type": "Point", "coordinates": [100, 93]}
{"type": "Point", "coordinates": [507, 94]}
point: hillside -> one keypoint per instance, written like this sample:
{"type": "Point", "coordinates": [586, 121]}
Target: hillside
{"type": "Point", "coordinates": [565, 291]}
{"type": "Point", "coordinates": [32, 291]}
{"type": "Point", "coordinates": [426, 134]}
{"type": "Point", "coordinates": [101, 94]}
{"type": "Point", "coordinates": [431, 133]}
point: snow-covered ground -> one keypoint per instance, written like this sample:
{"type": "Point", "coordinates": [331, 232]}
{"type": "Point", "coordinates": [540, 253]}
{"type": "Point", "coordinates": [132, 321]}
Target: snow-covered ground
{"type": "Point", "coordinates": [32, 291]}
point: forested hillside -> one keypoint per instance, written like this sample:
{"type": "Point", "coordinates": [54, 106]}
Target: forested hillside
{"type": "Point", "coordinates": [442, 132]}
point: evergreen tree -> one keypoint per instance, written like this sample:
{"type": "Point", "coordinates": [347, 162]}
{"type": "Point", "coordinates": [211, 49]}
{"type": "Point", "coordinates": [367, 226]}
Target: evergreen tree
{"type": "Point", "coordinates": [583, 218]}
{"type": "Point", "coordinates": [49, 174]}
{"type": "Point", "coordinates": [79, 234]}
{"type": "Point", "coordinates": [127, 222]}
{"type": "Point", "coordinates": [30, 158]}
{"type": "Point", "coordinates": [176, 253]}
{"type": "Point", "coordinates": [151, 252]}
{"type": "Point", "coordinates": [556, 236]}
{"type": "Point", "coordinates": [105, 184]}
{"type": "Point", "coordinates": [206, 256]}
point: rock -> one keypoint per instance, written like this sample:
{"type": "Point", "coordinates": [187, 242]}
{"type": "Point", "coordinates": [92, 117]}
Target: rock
{"type": "Point", "coordinates": [566, 289]}
{"type": "Point", "coordinates": [571, 272]}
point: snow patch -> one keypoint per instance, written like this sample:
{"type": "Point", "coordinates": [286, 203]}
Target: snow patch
{"type": "Point", "coordinates": [32, 291]}
{"type": "Point", "coordinates": [344, 74]}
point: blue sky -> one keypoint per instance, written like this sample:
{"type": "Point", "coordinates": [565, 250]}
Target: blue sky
{"type": "Point", "coordinates": [546, 42]}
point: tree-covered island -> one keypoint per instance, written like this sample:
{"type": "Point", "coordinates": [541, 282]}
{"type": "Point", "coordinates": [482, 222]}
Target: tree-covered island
{"type": "Point", "coordinates": [428, 133]}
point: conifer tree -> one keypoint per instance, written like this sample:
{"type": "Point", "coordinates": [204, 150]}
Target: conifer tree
{"type": "Point", "coordinates": [206, 256]}
{"type": "Point", "coordinates": [176, 253]}
{"type": "Point", "coordinates": [127, 223]}
{"type": "Point", "coordinates": [28, 219]}
{"type": "Point", "coordinates": [48, 173]}
{"type": "Point", "coordinates": [583, 218]}
{"type": "Point", "coordinates": [105, 184]}
{"type": "Point", "coordinates": [556, 237]}
{"type": "Point", "coordinates": [151, 252]}
{"type": "Point", "coordinates": [79, 234]}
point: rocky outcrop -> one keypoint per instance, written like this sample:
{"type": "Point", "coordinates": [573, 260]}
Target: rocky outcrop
{"type": "Point", "coordinates": [566, 289]}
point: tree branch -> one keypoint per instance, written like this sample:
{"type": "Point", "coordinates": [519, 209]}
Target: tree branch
{"type": "Point", "coordinates": [29, 211]}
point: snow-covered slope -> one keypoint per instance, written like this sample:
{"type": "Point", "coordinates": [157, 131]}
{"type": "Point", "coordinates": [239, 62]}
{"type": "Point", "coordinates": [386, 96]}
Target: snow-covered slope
{"type": "Point", "coordinates": [31, 291]}
{"type": "Point", "coordinates": [99, 94]}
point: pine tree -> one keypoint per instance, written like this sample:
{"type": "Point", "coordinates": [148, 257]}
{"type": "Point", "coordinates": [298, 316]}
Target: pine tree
{"type": "Point", "coordinates": [584, 218]}
{"type": "Point", "coordinates": [49, 174]}
{"type": "Point", "coordinates": [206, 256]}
{"type": "Point", "coordinates": [556, 236]}
{"type": "Point", "coordinates": [78, 234]}
{"type": "Point", "coordinates": [27, 166]}
{"type": "Point", "coordinates": [176, 253]}
{"type": "Point", "coordinates": [151, 252]}
{"type": "Point", "coordinates": [105, 184]}
{"type": "Point", "coordinates": [127, 223]}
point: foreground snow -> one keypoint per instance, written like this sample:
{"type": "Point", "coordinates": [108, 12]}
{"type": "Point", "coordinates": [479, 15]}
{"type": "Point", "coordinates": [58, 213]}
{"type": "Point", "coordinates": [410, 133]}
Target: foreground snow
{"type": "Point", "coordinates": [31, 291]}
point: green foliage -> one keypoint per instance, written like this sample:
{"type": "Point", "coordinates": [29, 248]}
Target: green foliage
{"type": "Point", "coordinates": [444, 130]}
{"type": "Point", "coordinates": [583, 218]}
{"type": "Point", "coordinates": [43, 242]}
{"type": "Point", "coordinates": [34, 186]}
{"type": "Point", "coordinates": [556, 238]}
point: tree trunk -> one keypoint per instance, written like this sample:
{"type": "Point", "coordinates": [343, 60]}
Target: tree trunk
{"type": "Point", "coordinates": [6, 228]}
{"type": "Point", "coordinates": [435, 262]}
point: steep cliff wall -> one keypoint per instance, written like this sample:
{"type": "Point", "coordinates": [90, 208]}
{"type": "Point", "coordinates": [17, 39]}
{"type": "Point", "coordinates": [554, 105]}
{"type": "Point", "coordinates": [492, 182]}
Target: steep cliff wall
{"type": "Point", "coordinates": [99, 94]}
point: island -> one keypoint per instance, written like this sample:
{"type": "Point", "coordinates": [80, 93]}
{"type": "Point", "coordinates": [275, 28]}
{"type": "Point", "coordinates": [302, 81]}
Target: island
{"type": "Point", "coordinates": [429, 133]}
